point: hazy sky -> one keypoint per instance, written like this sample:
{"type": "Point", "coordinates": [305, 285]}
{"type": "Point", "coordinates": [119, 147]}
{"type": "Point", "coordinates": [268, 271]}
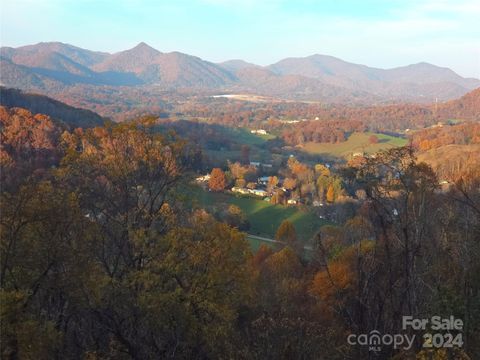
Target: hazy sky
{"type": "Point", "coordinates": [381, 33]}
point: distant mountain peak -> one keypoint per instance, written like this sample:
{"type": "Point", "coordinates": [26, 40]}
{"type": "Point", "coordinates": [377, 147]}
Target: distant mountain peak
{"type": "Point", "coordinates": [144, 47]}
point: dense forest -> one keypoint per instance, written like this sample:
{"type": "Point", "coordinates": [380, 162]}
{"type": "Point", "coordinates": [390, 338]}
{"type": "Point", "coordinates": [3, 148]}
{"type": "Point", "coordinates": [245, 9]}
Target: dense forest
{"type": "Point", "coordinates": [36, 103]}
{"type": "Point", "coordinates": [103, 255]}
{"type": "Point", "coordinates": [462, 134]}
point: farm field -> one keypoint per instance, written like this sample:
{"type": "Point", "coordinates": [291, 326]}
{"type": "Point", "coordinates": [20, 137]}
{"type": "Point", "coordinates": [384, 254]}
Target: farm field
{"type": "Point", "coordinates": [357, 142]}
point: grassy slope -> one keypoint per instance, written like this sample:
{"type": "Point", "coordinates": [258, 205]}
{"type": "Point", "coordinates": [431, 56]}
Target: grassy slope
{"type": "Point", "coordinates": [264, 217]}
{"type": "Point", "coordinates": [244, 137]}
{"type": "Point", "coordinates": [256, 243]}
{"type": "Point", "coordinates": [357, 142]}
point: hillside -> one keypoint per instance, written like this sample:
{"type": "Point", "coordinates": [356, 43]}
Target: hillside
{"type": "Point", "coordinates": [467, 107]}
{"type": "Point", "coordinates": [69, 115]}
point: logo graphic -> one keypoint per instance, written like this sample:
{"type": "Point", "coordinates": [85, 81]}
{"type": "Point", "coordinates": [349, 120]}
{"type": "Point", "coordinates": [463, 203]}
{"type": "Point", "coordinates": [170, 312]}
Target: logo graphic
{"type": "Point", "coordinates": [439, 333]}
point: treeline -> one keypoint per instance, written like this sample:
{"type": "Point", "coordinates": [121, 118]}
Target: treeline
{"type": "Point", "coordinates": [377, 118]}
{"type": "Point", "coordinates": [380, 118]}
{"type": "Point", "coordinates": [103, 257]}
{"type": "Point", "coordinates": [321, 131]}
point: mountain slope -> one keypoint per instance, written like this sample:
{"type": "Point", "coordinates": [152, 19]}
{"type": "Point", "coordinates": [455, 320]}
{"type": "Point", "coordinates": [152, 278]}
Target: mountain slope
{"type": "Point", "coordinates": [467, 107]}
{"type": "Point", "coordinates": [415, 81]}
{"type": "Point", "coordinates": [236, 65]}
{"type": "Point", "coordinates": [171, 69]}
{"type": "Point", "coordinates": [57, 110]}
{"type": "Point", "coordinates": [18, 76]}
{"type": "Point", "coordinates": [31, 52]}
{"type": "Point", "coordinates": [134, 60]}
{"type": "Point", "coordinates": [424, 73]}
{"type": "Point", "coordinates": [297, 87]}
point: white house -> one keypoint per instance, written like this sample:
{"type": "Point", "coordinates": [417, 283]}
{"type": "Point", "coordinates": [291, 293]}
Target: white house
{"type": "Point", "coordinates": [258, 192]}
{"type": "Point", "coordinates": [240, 190]}
{"type": "Point", "coordinates": [292, 202]}
{"type": "Point", "coordinates": [259, 132]}
{"type": "Point", "coordinates": [203, 178]}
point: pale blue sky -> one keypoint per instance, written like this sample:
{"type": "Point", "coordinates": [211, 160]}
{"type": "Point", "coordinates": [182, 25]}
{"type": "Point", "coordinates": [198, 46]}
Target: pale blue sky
{"type": "Point", "coordinates": [381, 33]}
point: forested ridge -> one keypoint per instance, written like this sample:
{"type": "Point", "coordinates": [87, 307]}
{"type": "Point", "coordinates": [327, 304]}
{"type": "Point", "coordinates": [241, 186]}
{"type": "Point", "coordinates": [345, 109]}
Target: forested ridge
{"type": "Point", "coordinates": [35, 103]}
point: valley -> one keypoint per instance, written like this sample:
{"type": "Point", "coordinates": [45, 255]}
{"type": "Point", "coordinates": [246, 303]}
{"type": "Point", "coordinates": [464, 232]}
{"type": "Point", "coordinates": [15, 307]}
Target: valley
{"type": "Point", "coordinates": [157, 205]}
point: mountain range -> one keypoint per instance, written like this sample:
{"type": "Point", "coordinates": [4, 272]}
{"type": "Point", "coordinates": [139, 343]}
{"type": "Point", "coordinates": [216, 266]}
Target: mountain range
{"type": "Point", "coordinates": [52, 67]}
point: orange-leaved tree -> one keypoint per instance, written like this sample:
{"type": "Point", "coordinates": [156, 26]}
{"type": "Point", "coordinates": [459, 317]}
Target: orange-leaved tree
{"type": "Point", "coordinates": [217, 180]}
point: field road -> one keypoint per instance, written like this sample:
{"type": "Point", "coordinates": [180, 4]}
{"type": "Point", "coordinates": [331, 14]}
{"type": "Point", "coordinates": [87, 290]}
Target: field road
{"type": "Point", "coordinates": [261, 238]}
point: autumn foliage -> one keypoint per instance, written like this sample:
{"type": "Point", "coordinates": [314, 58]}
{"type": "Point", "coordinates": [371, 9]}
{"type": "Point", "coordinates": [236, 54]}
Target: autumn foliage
{"type": "Point", "coordinates": [217, 180]}
{"type": "Point", "coordinates": [104, 257]}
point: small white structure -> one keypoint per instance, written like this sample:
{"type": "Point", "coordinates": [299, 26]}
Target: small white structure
{"type": "Point", "coordinates": [255, 163]}
{"type": "Point", "coordinates": [263, 180]}
{"type": "Point", "coordinates": [292, 202]}
{"type": "Point", "coordinates": [258, 192]}
{"type": "Point", "coordinates": [259, 132]}
{"type": "Point", "coordinates": [240, 190]}
{"type": "Point", "coordinates": [317, 203]}
{"type": "Point", "coordinates": [203, 178]}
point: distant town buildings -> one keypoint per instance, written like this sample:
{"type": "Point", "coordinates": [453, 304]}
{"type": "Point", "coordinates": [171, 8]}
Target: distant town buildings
{"type": "Point", "coordinates": [258, 164]}
{"type": "Point", "coordinates": [245, 191]}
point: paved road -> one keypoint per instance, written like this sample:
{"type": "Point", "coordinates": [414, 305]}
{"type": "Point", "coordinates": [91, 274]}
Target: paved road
{"type": "Point", "coordinates": [273, 241]}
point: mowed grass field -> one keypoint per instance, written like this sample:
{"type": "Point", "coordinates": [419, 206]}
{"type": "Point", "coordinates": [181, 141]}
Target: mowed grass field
{"type": "Point", "coordinates": [242, 136]}
{"type": "Point", "coordinates": [356, 142]}
{"type": "Point", "coordinates": [265, 218]}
